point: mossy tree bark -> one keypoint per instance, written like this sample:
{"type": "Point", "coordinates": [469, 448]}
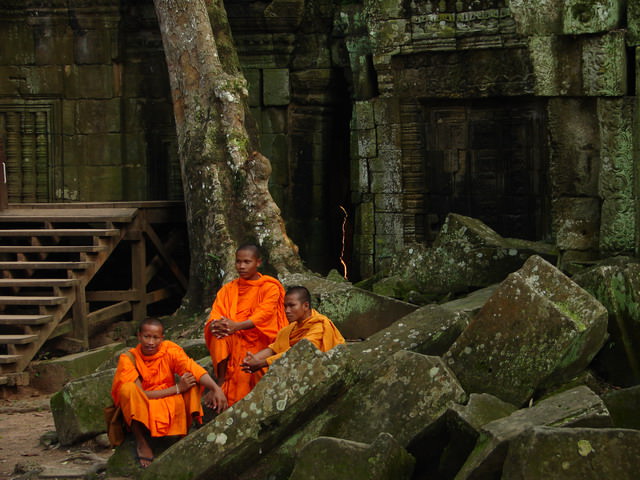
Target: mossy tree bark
{"type": "Point", "coordinates": [225, 178]}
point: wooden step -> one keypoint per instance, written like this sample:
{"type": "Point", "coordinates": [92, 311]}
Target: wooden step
{"type": "Point", "coordinates": [17, 339]}
{"type": "Point", "coordinates": [6, 319]}
{"type": "Point", "coordinates": [37, 282]}
{"type": "Point", "coordinates": [68, 215]}
{"type": "Point", "coordinates": [6, 359]}
{"type": "Point", "coordinates": [44, 265]}
{"type": "Point", "coordinates": [62, 232]}
{"type": "Point", "coordinates": [16, 300]}
{"type": "Point", "coordinates": [51, 248]}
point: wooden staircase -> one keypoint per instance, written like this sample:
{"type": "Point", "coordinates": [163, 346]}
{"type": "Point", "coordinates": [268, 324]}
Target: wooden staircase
{"type": "Point", "coordinates": [48, 260]}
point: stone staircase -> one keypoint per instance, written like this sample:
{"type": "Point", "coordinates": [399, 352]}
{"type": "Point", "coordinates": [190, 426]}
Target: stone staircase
{"type": "Point", "coordinates": [48, 258]}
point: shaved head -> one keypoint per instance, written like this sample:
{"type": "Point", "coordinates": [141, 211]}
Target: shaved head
{"type": "Point", "coordinates": [301, 293]}
{"type": "Point", "coordinates": [250, 247]}
{"type": "Point", "coordinates": [151, 321]}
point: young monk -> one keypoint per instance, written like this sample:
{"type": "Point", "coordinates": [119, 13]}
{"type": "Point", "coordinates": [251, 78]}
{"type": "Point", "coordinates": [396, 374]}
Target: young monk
{"type": "Point", "coordinates": [245, 317]}
{"type": "Point", "coordinates": [152, 403]}
{"type": "Point", "coordinates": [305, 322]}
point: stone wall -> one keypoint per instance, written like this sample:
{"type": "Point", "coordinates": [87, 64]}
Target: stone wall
{"type": "Point", "coordinates": [84, 110]}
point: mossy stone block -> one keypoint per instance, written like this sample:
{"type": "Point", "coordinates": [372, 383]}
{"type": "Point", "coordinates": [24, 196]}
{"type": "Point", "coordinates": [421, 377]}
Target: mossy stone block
{"type": "Point", "coordinates": [276, 90]}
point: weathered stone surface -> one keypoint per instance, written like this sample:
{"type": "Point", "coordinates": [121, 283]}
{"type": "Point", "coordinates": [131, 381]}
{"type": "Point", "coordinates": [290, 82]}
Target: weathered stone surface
{"type": "Point", "coordinates": [275, 89]}
{"type": "Point", "coordinates": [594, 16]}
{"type": "Point", "coordinates": [556, 65]}
{"type": "Point", "coordinates": [633, 23]}
{"type": "Point", "coordinates": [78, 408]}
{"type": "Point", "coordinates": [456, 436]}
{"type": "Point", "coordinates": [429, 330]}
{"type": "Point", "coordinates": [406, 395]}
{"type": "Point", "coordinates": [576, 222]}
{"type": "Point", "coordinates": [50, 375]}
{"type": "Point", "coordinates": [356, 312]}
{"type": "Point", "coordinates": [624, 405]}
{"type": "Point", "coordinates": [604, 65]}
{"type": "Point", "coordinates": [616, 284]}
{"type": "Point", "coordinates": [337, 459]}
{"type": "Point", "coordinates": [539, 17]}
{"type": "Point", "coordinates": [467, 254]}
{"type": "Point", "coordinates": [283, 400]}
{"type": "Point", "coordinates": [538, 329]}
{"type": "Point", "coordinates": [578, 407]}
{"type": "Point", "coordinates": [616, 185]}
{"type": "Point", "coordinates": [573, 454]}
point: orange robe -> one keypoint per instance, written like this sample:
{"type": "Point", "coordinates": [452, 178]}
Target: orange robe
{"type": "Point", "coordinates": [318, 329]}
{"type": "Point", "coordinates": [170, 415]}
{"type": "Point", "coordinates": [262, 302]}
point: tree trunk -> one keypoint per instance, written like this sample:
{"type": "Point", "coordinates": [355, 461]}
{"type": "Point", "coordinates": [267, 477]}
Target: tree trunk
{"type": "Point", "coordinates": [225, 179]}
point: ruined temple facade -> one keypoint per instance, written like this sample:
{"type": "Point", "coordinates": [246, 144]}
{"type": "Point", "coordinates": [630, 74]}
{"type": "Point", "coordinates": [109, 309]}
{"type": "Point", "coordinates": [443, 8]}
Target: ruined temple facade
{"type": "Point", "coordinates": [521, 113]}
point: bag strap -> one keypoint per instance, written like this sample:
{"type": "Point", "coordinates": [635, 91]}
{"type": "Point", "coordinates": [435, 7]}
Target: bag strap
{"type": "Point", "coordinates": [133, 360]}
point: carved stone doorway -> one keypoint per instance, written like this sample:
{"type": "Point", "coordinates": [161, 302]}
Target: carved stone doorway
{"type": "Point", "coordinates": [487, 159]}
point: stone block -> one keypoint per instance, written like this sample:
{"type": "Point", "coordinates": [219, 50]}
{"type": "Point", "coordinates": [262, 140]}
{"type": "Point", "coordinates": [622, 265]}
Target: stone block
{"type": "Point", "coordinates": [388, 223]}
{"type": "Point", "coordinates": [363, 244]}
{"type": "Point", "coordinates": [78, 408]}
{"type": "Point", "coordinates": [578, 407]}
{"type": "Point", "coordinates": [575, 147]}
{"type": "Point", "coordinates": [358, 313]}
{"type": "Point", "coordinates": [539, 329]}
{"type": "Point", "coordinates": [387, 161]}
{"type": "Point", "coordinates": [135, 183]}
{"type": "Point", "coordinates": [275, 87]}
{"type": "Point", "coordinates": [389, 137]}
{"type": "Point", "coordinates": [93, 46]}
{"type": "Point", "coordinates": [284, 399]}
{"type": "Point", "coordinates": [274, 120]}
{"type": "Point", "coordinates": [386, 110]}
{"type": "Point", "coordinates": [18, 44]}
{"type": "Point", "coordinates": [576, 222]}
{"type": "Point", "coordinates": [383, 459]}
{"type": "Point", "coordinates": [98, 116]}
{"type": "Point", "coordinates": [102, 150]}
{"type": "Point", "coordinates": [538, 17]}
{"type": "Point", "coordinates": [616, 284]}
{"type": "Point", "coordinates": [573, 454]}
{"type": "Point", "coordinates": [45, 80]}
{"type": "Point", "coordinates": [389, 35]}
{"type": "Point", "coordinates": [311, 52]}
{"type": "Point", "coordinates": [363, 115]}
{"type": "Point", "coordinates": [88, 81]}
{"type": "Point", "coordinates": [254, 86]}
{"type": "Point", "coordinates": [623, 405]}
{"type": "Point", "coordinates": [365, 220]}
{"type": "Point", "coordinates": [49, 376]}
{"type": "Point", "coordinates": [388, 203]}
{"type": "Point", "coordinates": [53, 43]}
{"type": "Point", "coordinates": [633, 23]}
{"type": "Point", "coordinates": [580, 17]}
{"type": "Point", "coordinates": [100, 183]}
{"type": "Point", "coordinates": [387, 246]}
{"type": "Point", "coordinates": [556, 65]}
{"type": "Point", "coordinates": [429, 330]}
{"type": "Point", "coordinates": [10, 80]}
{"type": "Point", "coordinates": [604, 65]}
{"type": "Point", "coordinates": [386, 182]}
{"type": "Point", "coordinates": [367, 145]}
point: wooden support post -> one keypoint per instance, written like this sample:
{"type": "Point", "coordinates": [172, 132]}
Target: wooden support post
{"type": "Point", "coordinates": [138, 280]}
{"type": "Point", "coordinates": [80, 320]}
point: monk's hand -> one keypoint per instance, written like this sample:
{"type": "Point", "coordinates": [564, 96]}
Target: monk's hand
{"type": "Point", "coordinates": [222, 328]}
{"type": "Point", "coordinates": [250, 363]}
{"type": "Point", "coordinates": [216, 400]}
{"type": "Point", "coordinates": [187, 380]}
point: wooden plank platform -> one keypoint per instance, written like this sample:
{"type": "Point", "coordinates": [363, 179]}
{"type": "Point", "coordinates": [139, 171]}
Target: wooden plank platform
{"type": "Point", "coordinates": [71, 215]}
{"type": "Point", "coordinates": [17, 339]}
{"type": "Point", "coordinates": [25, 319]}
{"type": "Point", "coordinates": [13, 300]}
{"type": "Point", "coordinates": [5, 359]}
{"type": "Point", "coordinates": [62, 232]}
{"type": "Point", "coordinates": [44, 265]}
{"type": "Point", "coordinates": [52, 248]}
{"type": "Point", "coordinates": [38, 282]}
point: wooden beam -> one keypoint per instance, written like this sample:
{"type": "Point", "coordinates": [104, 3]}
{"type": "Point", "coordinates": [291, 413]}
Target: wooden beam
{"type": "Point", "coordinates": [79, 317]}
{"type": "Point", "coordinates": [173, 266]}
{"type": "Point", "coordinates": [156, 262]}
{"type": "Point", "coordinates": [112, 295]}
{"type": "Point", "coordinates": [160, 294]}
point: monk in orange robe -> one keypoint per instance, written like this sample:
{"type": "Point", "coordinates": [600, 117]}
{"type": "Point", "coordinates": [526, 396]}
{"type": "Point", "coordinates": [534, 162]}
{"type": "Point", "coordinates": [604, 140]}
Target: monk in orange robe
{"type": "Point", "coordinates": [245, 317]}
{"type": "Point", "coordinates": [152, 402]}
{"type": "Point", "coordinates": [305, 323]}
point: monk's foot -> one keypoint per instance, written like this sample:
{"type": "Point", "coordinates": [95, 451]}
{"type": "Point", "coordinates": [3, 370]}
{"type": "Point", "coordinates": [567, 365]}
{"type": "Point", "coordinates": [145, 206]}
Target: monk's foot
{"type": "Point", "coordinates": [144, 456]}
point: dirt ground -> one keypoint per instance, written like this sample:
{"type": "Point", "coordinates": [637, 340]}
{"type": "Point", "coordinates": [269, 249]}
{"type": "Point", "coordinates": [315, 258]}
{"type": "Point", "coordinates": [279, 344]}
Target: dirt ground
{"type": "Point", "coordinates": [24, 418]}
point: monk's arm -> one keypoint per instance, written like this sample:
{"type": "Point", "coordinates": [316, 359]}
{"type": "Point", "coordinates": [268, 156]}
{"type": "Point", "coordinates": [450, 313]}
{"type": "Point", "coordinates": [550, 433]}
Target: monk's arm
{"type": "Point", "coordinates": [256, 361]}
{"type": "Point", "coordinates": [182, 386]}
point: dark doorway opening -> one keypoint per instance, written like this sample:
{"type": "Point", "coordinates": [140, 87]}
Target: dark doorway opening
{"type": "Point", "coordinates": [487, 159]}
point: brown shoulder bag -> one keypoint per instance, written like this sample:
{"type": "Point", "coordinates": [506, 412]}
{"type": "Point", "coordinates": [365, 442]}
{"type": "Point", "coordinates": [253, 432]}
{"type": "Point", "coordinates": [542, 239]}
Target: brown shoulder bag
{"type": "Point", "coordinates": [113, 416]}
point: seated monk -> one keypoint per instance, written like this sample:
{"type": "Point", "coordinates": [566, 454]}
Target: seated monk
{"type": "Point", "coordinates": [245, 317]}
{"type": "Point", "coordinates": [305, 323]}
{"type": "Point", "coordinates": [152, 402]}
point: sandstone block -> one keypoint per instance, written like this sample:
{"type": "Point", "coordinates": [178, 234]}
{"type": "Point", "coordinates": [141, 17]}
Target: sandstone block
{"type": "Point", "coordinates": [538, 329]}
{"type": "Point", "coordinates": [275, 86]}
{"type": "Point", "coordinates": [573, 454]}
{"type": "Point", "coordinates": [580, 17]}
{"type": "Point", "coordinates": [327, 458]}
